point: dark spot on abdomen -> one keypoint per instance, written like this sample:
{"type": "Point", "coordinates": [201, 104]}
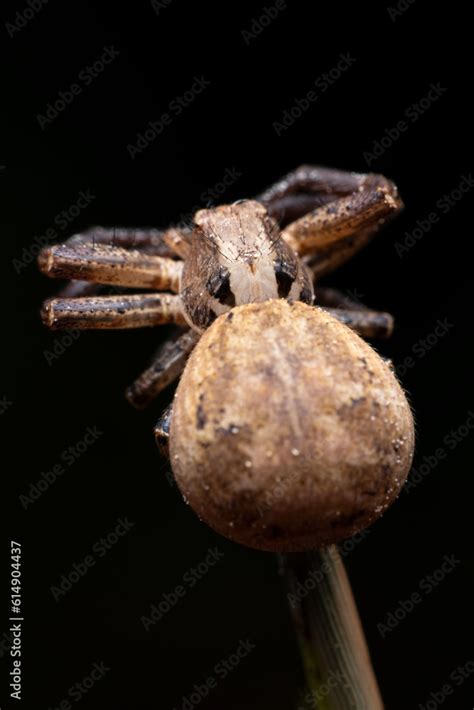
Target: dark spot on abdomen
{"type": "Point", "coordinates": [201, 418]}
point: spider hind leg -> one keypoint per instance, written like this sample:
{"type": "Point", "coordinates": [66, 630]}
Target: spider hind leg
{"type": "Point", "coordinates": [368, 324]}
{"type": "Point", "coordinates": [166, 367]}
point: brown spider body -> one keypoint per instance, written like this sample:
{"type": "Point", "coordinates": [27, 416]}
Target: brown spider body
{"type": "Point", "coordinates": [273, 373]}
{"type": "Point", "coordinates": [288, 432]}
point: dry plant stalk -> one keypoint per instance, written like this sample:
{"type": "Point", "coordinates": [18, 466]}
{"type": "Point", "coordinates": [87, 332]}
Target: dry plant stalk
{"type": "Point", "coordinates": [335, 656]}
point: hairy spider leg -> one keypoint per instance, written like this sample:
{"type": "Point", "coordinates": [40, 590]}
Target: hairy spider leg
{"type": "Point", "coordinates": [167, 243]}
{"type": "Point", "coordinates": [368, 324]}
{"type": "Point", "coordinates": [107, 312]}
{"type": "Point", "coordinates": [311, 186]}
{"type": "Point", "coordinates": [167, 365]}
{"type": "Point", "coordinates": [365, 321]}
{"type": "Point", "coordinates": [334, 224]}
{"type": "Point", "coordinates": [334, 298]}
{"type": "Point", "coordinates": [147, 239]}
{"type": "Point", "coordinates": [111, 265]}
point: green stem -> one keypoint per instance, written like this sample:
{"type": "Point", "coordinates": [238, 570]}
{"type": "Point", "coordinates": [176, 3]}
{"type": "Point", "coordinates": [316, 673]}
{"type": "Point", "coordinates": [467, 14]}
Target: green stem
{"type": "Point", "coordinates": [336, 660]}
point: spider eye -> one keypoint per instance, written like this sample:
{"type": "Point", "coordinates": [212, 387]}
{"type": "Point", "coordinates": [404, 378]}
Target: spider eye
{"type": "Point", "coordinates": [224, 295]}
{"type": "Point", "coordinates": [284, 279]}
{"type": "Point", "coordinates": [219, 287]}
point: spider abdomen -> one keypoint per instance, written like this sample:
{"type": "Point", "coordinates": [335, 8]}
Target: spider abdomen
{"type": "Point", "coordinates": [289, 432]}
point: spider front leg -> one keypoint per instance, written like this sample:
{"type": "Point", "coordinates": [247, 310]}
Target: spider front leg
{"type": "Point", "coordinates": [311, 186]}
{"type": "Point", "coordinates": [347, 222]}
{"type": "Point", "coordinates": [105, 312]}
{"type": "Point", "coordinates": [166, 367]}
{"type": "Point", "coordinates": [165, 244]}
{"type": "Point", "coordinates": [111, 265]}
{"type": "Point", "coordinates": [159, 242]}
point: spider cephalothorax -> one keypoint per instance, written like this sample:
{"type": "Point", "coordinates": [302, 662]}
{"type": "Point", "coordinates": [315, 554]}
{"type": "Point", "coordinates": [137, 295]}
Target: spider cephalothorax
{"type": "Point", "coordinates": [236, 256]}
{"type": "Point", "coordinates": [320, 414]}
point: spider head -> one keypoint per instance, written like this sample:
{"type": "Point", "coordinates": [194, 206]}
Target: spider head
{"type": "Point", "coordinates": [237, 256]}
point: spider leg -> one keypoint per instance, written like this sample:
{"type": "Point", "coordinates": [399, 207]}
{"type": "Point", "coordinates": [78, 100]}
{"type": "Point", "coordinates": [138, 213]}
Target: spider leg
{"type": "Point", "coordinates": [327, 260]}
{"type": "Point", "coordinates": [311, 186]}
{"type": "Point", "coordinates": [162, 431]}
{"type": "Point", "coordinates": [124, 311]}
{"type": "Point", "coordinates": [76, 289]}
{"type": "Point", "coordinates": [111, 265]}
{"type": "Point", "coordinates": [166, 367]}
{"type": "Point", "coordinates": [368, 324]}
{"type": "Point", "coordinates": [333, 298]}
{"type": "Point", "coordinates": [152, 241]}
{"type": "Point", "coordinates": [178, 241]}
{"type": "Point", "coordinates": [164, 243]}
{"type": "Point", "coordinates": [334, 224]}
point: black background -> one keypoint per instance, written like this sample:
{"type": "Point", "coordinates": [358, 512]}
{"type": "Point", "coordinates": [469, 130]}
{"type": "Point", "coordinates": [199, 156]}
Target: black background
{"type": "Point", "coordinates": [229, 125]}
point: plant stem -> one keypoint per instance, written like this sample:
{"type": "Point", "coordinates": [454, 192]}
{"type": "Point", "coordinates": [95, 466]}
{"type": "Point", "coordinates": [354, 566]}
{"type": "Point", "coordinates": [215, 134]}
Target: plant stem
{"type": "Point", "coordinates": [336, 660]}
